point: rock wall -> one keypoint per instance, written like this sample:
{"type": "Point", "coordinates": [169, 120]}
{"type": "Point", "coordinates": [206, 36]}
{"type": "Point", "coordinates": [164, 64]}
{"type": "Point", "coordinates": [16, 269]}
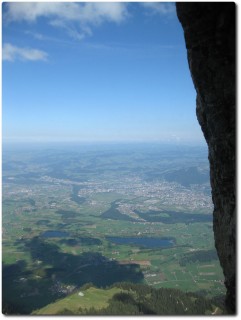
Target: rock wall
{"type": "Point", "coordinates": [209, 30]}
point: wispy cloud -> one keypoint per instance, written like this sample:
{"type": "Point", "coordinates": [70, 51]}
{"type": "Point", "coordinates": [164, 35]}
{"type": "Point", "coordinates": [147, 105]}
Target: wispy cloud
{"type": "Point", "coordinates": [45, 37]}
{"type": "Point", "coordinates": [77, 19]}
{"type": "Point", "coordinates": [35, 35]}
{"type": "Point", "coordinates": [12, 53]}
{"type": "Point", "coordinates": [161, 8]}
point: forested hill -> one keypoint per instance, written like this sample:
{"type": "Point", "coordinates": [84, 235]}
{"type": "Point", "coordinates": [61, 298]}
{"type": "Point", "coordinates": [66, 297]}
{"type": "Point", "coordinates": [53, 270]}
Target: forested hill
{"type": "Point", "coordinates": [132, 299]}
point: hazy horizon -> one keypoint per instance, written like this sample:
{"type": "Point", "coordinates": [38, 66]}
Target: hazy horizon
{"type": "Point", "coordinates": [104, 143]}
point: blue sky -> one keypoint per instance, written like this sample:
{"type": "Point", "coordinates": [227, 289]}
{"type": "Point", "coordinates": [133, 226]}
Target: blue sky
{"type": "Point", "coordinates": [96, 72]}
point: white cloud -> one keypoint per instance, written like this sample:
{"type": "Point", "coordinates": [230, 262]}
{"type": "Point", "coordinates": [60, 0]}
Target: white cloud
{"type": "Point", "coordinates": [93, 12]}
{"type": "Point", "coordinates": [162, 8]}
{"type": "Point", "coordinates": [64, 14]}
{"type": "Point", "coordinates": [112, 11]}
{"type": "Point", "coordinates": [30, 11]}
{"type": "Point", "coordinates": [12, 53]}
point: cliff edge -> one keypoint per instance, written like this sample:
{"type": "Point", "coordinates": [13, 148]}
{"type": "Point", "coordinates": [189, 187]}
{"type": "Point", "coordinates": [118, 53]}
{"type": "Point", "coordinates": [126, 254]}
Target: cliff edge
{"type": "Point", "coordinates": [209, 30]}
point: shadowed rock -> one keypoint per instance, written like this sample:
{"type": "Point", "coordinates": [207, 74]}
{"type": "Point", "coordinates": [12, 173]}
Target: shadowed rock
{"type": "Point", "coordinates": [209, 30]}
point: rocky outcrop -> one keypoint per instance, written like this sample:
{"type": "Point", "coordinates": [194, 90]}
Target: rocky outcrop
{"type": "Point", "coordinates": [209, 30]}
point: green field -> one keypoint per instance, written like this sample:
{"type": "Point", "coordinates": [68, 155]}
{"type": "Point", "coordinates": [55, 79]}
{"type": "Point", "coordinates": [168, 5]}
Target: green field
{"type": "Point", "coordinates": [92, 297]}
{"type": "Point", "coordinates": [92, 195]}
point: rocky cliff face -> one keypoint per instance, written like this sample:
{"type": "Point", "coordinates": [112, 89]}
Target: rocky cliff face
{"type": "Point", "coordinates": [209, 30]}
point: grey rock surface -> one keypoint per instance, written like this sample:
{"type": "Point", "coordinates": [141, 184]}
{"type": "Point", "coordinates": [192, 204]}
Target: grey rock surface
{"type": "Point", "coordinates": [209, 30]}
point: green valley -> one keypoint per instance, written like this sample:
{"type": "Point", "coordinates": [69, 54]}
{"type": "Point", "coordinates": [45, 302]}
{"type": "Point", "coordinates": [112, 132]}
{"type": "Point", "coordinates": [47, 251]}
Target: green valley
{"type": "Point", "coordinates": [106, 214]}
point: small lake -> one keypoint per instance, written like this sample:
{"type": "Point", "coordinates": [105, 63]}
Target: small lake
{"type": "Point", "coordinates": [54, 234]}
{"type": "Point", "coordinates": [144, 241]}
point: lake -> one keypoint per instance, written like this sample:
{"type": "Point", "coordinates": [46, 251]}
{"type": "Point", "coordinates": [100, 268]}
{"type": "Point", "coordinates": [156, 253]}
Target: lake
{"type": "Point", "coordinates": [148, 242]}
{"type": "Point", "coordinates": [54, 234]}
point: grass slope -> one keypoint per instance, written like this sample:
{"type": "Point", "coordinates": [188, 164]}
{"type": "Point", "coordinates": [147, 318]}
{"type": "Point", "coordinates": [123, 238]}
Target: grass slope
{"type": "Point", "coordinates": [93, 297]}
